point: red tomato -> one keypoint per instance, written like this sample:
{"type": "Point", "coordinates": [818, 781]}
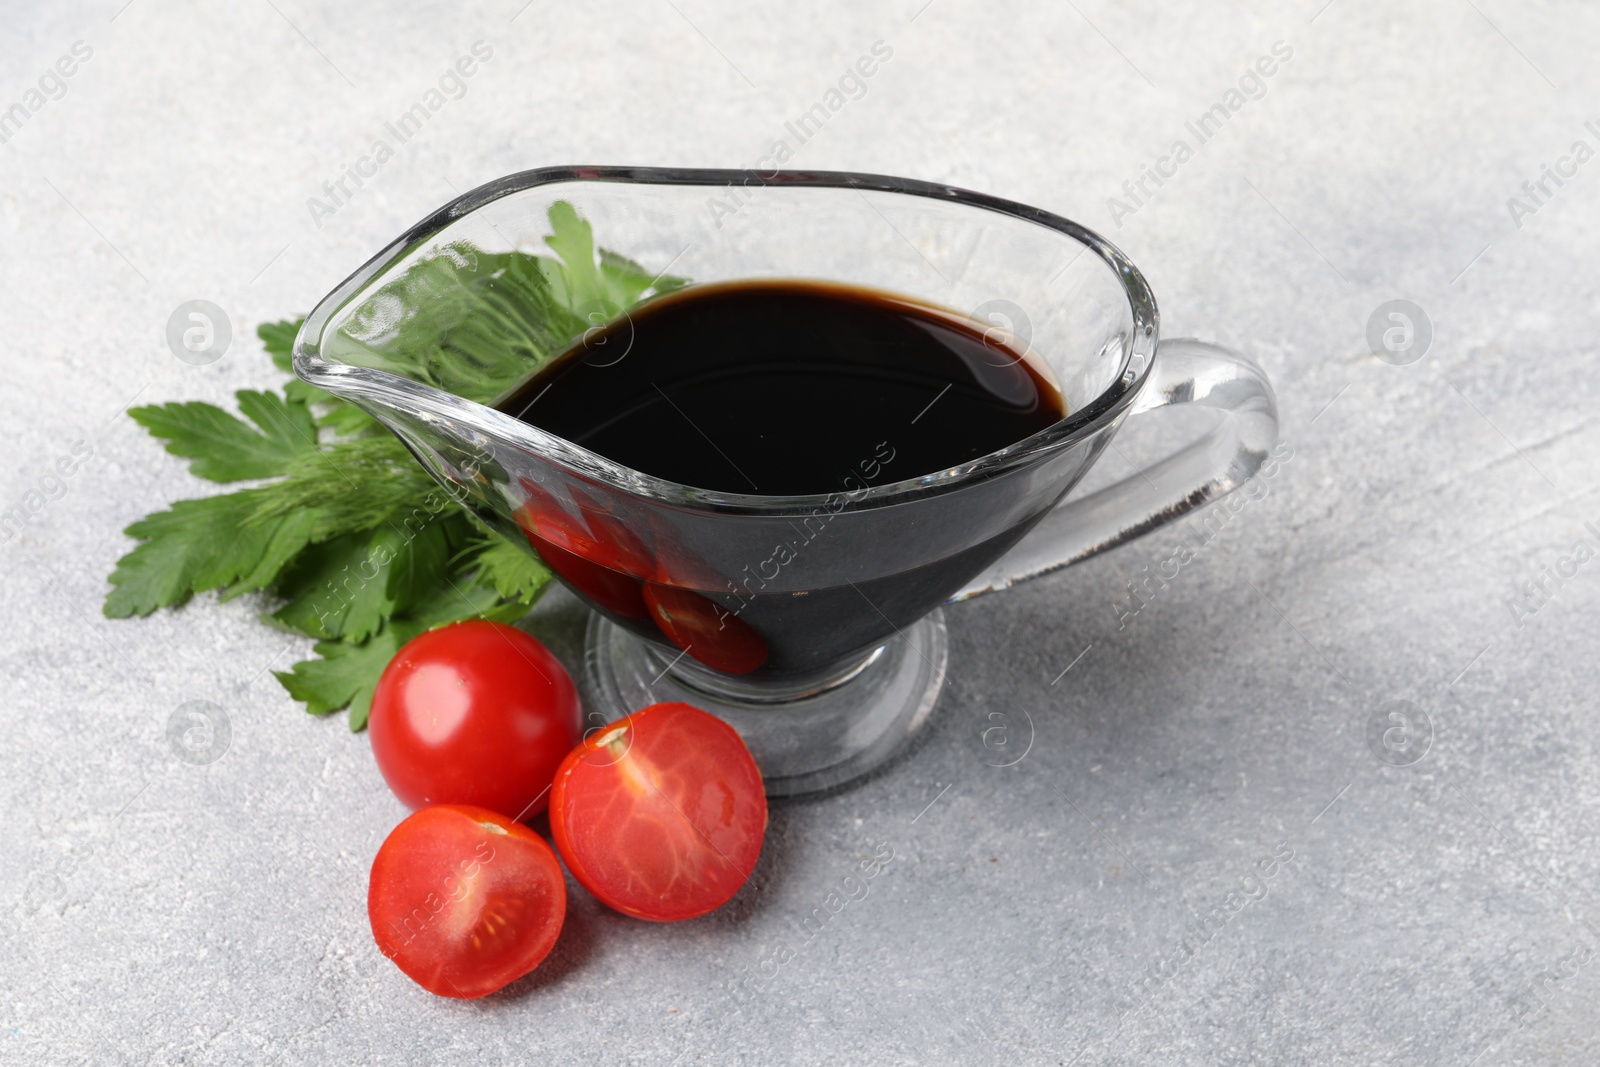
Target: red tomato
{"type": "Point", "coordinates": [474, 713]}
{"type": "Point", "coordinates": [593, 533]}
{"type": "Point", "coordinates": [705, 629]}
{"type": "Point", "coordinates": [465, 901]}
{"type": "Point", "coordinates": [608, 588]}
{"type": "Point", "coordinates": [602, 570]}
{"type": "Point", "coordinates": [661, 813]}
{"type": "Point", "coordinates": [600, 516]}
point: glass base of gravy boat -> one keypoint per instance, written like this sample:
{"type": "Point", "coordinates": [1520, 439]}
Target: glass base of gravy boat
{"type": "Point", "coordinates": [807, 734]}
{"type": "Point", "coordinates": [812, 624]}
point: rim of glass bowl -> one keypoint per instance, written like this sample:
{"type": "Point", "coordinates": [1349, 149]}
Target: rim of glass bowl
{"type": "Point", "coordinates": [393, 391]}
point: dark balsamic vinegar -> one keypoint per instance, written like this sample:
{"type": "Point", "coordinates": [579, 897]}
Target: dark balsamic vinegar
{"type": "Point", "coordinates": [778, 388]}
{"type": "Point", "coordinates": [785, 387]}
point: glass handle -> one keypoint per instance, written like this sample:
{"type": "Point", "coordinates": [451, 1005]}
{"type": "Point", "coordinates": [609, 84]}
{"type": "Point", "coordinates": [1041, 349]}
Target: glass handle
{"type": "Point", "coordinates": [1186, 371]}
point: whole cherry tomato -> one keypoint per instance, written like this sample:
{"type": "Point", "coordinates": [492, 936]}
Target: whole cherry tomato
{"type": "Point", "coordinates": [474, 713]}
{"type": "Point", "coordinates": [464, 900]}
{"type": "Point", "coordinates": [661, 813]}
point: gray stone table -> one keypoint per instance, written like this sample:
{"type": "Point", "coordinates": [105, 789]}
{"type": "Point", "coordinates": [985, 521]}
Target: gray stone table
{"type": "Point", "coordinates": [1106, 898]}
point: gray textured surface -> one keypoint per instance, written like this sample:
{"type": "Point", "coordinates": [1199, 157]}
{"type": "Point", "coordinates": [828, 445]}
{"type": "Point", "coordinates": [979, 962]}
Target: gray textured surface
{"type": "Point", "coordinates": [155, 911]}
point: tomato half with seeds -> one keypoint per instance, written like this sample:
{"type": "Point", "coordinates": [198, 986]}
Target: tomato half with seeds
{"type": "Point", "coordinates": [464, 900]}
{"type": "Point", "coordinates": [660, 814]}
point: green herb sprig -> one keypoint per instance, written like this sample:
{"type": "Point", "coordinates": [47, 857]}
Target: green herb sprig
{"type": "Point", "coordinates": [355, 545]}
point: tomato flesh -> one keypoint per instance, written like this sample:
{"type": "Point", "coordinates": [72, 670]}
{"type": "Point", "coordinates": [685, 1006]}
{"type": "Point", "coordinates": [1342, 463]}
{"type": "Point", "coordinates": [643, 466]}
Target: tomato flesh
{"type": "Point", "coordinates": [704, 629]}
{"type": "Point", "coordinates": [618, 593]}
{"type": "Point", "coordinates": [465, 900]}
{"type": "Point", "coordinates": [660, 814]}
{"type": "Point", "coordinates": [604, 568]}
{"type": "Point", "coordinates": [474, 713]}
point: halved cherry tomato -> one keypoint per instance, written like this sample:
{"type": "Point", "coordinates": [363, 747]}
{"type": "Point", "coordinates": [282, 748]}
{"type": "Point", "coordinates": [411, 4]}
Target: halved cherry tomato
{"type": "Point", "coordinates": [603, 570]}
{"type": "Point", "coordinates": [474, 713]}
{"type": "Point", "coordinates": [661, 813]}
{"type": "Point", "coordinates": [592, 533]}
{"type": "Point", "coordinates": [465, 900]}
{"type": "Point", "coordinates": [600, 515]}
{"type": "Point", "coordinates": [705, 629]}
{"type": "Point", "coordinates": [617, 592]}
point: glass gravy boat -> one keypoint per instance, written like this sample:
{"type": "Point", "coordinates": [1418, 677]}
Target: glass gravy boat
{"type": "Point", "coordinates": [813, 624]}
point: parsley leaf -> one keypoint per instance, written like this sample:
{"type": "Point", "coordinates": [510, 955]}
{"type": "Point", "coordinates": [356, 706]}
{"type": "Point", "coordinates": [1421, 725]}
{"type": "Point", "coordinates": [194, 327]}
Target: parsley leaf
{"type": "Point", "coordinates": [513, 573]}
{"type": "Point", "coordinates": [278, 339]}
{"type": "Point", "coordinates": [340, 416]}
{"type": "Point", "coordinates": [345, 675]}
{"type": "Point", "coordinates": [572, 239]}
{"type": "Point", "coordinates": [627, 282]}
{"type": "Point", "coordinates": [290, 535]}
{"type": "Point", "coordinates": [351, 540]}
{"type": "Point", "coordinates": [463, 320]}
{"type": "Point", "coordinates": [225, 448]}
{"type": "Point", "coordinates": [194, 546]}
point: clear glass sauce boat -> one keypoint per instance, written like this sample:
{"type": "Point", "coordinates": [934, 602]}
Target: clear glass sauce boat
{"type": "Point", "coordinates": [812, 623]}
